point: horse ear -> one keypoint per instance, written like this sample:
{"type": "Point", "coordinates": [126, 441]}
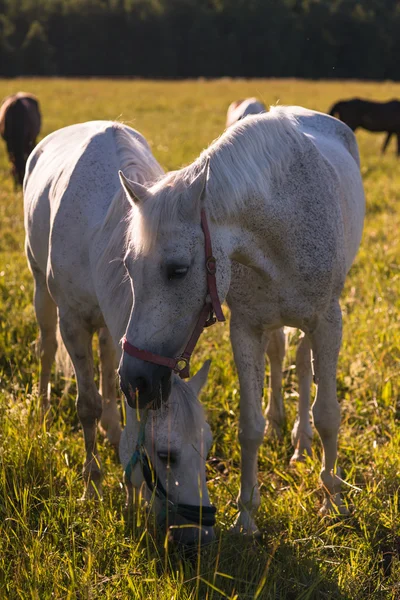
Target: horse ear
{"type": "Point", "coordinates": [198, 381]}
{"type": "Point", "coordinates": [198, 185]}
{"type": "Point", "coordinates": [135, 192]}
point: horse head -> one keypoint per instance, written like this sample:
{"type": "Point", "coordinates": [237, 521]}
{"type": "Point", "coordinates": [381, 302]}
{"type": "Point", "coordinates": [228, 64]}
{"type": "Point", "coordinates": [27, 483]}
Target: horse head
{"type": "Point", "coordinates": [166, 261]}
{"type": "Point", "coordinates": [167, 449]}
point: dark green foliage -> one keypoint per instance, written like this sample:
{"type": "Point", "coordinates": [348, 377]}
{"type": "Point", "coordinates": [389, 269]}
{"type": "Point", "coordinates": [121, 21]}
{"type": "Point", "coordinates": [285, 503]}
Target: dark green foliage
{"type": "Point", "coordinates": [190, 38]}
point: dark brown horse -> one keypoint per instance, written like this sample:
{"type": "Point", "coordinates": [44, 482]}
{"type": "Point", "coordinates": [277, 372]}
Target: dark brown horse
{"type": "Point", "coordinates": [373, 116]}
{"type": "Point", "coordinates": [20, 122]}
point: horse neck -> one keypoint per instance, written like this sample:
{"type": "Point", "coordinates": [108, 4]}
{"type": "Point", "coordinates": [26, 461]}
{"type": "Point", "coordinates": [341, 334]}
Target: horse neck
{"type": "Point", "coordinates": [112, 287]}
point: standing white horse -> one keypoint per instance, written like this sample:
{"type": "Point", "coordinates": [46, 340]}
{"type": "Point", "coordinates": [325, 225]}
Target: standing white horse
{"type": "Point", "coordinates": [242, 108]}
{"type": "Point", "coordinates": [76, 216]}
{"type": "Point", "coordinates": [284, 200]}
{"type": "Point", "coordinates": [275, 412]}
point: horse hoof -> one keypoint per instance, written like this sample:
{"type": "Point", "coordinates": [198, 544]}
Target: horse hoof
{"type": "Point", "coordinates": [245, 526]}
{"type": "Point", "coordinates": [329, 509]}
{"type": "Point", "coordinates": [93, 489]}
{"type": "Point", "coordinates": [300, 457]}
{"type": "Point", "coordinates": [240, 531]}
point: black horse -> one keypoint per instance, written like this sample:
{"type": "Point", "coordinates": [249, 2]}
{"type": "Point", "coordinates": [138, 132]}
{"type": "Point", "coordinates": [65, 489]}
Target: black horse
{"type": "Point", "coordinates": [373, 116]}
{"type": "Point", "coordinates": [20, 122]}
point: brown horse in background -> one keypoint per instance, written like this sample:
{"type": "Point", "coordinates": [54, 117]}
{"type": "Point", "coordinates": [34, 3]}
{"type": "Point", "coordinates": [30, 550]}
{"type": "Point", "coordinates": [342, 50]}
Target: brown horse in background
{"type": "Point", "coordinates": [20, 122]}
{"type": "Point", "coordinates": [373, 116]}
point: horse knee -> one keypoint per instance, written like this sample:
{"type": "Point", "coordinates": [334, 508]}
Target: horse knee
{"type": "Point", "coordinates": [326, 418]}
{"type": "Point", "coordinates": [89, 408]}
{"type": "Point", "coordinates": [251, 436]}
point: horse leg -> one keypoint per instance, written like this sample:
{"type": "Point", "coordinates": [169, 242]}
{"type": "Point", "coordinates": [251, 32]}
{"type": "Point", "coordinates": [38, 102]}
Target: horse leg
{"type": "Point", "coordinates": [249, 346]}
{"type": "Point", "coordinates": [302, 432]}
{"type": "Point", "coordinates": [46, 315]}
{"type": "Point", "coordinates": [325, 342]}
{"type": "Point", "coordinates": [275, 413]}
{"type": "Point", "coordinates": [110, 423]}
{"type": "Point", "coordinates": [386, 142]}
{"type": "Point", "coordinates": [78, 340]}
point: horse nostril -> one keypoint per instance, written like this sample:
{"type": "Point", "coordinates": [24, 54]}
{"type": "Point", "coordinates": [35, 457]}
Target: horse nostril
{"type": "Point", "coordinates": [141, 384]}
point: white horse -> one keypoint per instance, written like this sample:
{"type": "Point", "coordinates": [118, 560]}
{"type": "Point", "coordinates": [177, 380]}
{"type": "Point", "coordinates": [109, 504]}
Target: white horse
{"type": "Point", "coordinates": [76, 216]}
{"type": "Point", "coordinates": [242, 108]}
{"type": "Point", "coordinates": [275, 412]}
{"type": "Point", "coordinates": [285, 204]}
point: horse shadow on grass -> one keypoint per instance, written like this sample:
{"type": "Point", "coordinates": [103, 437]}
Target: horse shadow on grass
{"type": "Point", "coordinates": [242, 569]}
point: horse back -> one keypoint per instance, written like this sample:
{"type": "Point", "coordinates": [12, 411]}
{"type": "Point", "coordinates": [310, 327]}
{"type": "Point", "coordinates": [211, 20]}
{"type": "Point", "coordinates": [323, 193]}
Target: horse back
{"type": "Point", "coordinates": [317, 123]}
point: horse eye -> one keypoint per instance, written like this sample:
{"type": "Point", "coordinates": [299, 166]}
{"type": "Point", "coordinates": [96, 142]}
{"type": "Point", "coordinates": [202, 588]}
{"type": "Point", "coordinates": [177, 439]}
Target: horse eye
{"type": "Point", "coordinates": [176, 272]}
{"type": "Point", "coordinates": [169, 458]}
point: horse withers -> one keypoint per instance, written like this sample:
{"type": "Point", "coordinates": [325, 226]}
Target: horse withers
{"type": "Point", "coordinates": [76, 215]}
{"type": "Point", "coordinates": [242, 108]}
{"type": "Point", "coordinates": [283, 197]}
{"type": "Point", "coordinates": [20, 122]}
{"type": "Point", "coordinates": [372, 116]}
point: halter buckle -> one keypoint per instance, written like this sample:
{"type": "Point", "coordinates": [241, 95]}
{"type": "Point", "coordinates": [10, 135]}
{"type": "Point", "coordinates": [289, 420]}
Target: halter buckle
{"type": "Point", "coordinates": [182, 363]}
{"type": "Point", "coordinates": [211, 265]}
{"type": "Point", "coordinates": [211, 319]}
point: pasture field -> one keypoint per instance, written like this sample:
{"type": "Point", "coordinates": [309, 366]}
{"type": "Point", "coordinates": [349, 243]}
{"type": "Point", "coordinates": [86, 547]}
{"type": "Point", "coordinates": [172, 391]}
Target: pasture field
{"type": "Point", "coordinates": [54, 546]}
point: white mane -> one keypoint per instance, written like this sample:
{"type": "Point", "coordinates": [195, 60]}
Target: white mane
{"type": "Point", "coordinates": [138, 163]}
{"type": "Point", "coordinates": [243, 160]}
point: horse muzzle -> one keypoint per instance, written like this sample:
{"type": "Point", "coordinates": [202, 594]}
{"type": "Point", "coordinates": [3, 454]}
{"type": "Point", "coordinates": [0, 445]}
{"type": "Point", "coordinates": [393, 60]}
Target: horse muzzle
{"type": "Point", "coordinates": [145, 385]}
{"type": "Point", "coordinates": [188, 535]}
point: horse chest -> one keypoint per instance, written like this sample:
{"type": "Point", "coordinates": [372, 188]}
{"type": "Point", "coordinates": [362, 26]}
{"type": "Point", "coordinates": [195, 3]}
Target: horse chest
{"type": "Point", "coordinates": [267, 303]}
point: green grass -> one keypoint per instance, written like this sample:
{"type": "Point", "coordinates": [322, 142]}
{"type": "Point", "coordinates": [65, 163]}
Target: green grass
{"type": "Point", "coordinates": [54, 546]}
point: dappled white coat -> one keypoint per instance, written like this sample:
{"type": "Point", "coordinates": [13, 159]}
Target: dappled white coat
{"type": "Point", "coordinates": [285, 202]}
{"type": "Point", "coordinates": [242, 108]}
{"type": "Point", "coordinates": [75, 219]}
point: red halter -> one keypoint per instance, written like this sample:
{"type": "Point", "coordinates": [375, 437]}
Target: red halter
{"type": "Point", "coordinates": [212, 306]}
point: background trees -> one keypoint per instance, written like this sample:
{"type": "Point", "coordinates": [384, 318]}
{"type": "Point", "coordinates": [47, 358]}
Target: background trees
{"type": "Point", "coordinates": [191, 38]}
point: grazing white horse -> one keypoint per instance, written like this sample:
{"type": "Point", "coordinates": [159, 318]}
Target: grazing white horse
{"type": "Point", "coordinates": [285, 206]}
{"type": "Point", "coordinates": [76, 217]}
{"type": "Point", "coordinates": [242, 108]}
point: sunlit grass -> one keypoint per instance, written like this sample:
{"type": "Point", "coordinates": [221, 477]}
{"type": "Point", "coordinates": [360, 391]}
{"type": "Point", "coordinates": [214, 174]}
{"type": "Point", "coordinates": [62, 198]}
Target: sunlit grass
{"type": "Point", "coordinates": [53, 545]}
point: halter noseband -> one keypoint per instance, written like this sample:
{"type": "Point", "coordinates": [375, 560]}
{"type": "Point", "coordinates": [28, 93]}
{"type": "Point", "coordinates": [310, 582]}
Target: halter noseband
{"type": "Point", "coordinates": [200, 515]}
{"type": "Point", "coordinates": [210, 313]}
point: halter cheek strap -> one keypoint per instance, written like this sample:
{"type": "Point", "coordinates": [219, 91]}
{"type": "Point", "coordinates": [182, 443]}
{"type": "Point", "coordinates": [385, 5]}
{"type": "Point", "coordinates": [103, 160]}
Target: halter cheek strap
{"type": "Point", "coordinates": [210, 313]}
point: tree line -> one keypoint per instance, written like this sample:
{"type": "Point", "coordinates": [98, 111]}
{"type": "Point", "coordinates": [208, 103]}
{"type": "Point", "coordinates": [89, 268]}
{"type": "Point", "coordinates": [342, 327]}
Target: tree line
{"type": "Point", "coordinates": [192, 38]}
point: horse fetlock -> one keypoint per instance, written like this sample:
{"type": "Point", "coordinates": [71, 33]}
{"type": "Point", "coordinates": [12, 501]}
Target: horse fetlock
{"type": "Point", "coordinates": [249, 502]}
{"type": "Point", "coordinates": [92, 475]}
{"type": "Point", "coordinates": [273, 429]}
{"type": "Point", "coordinates": [333, 505]}
{"type": "Point", "coordinates": [46, 415]}
{"type": "Point", "coordinates": [114, 435]}
{"type": "Point", "coordinates": [302, 435]}
{"type": "Point", "coordinates": [301, 440]}
{"type": "Point", "coordinates": [331, 482]}
{"type": "Point", "coordinates": [300, 453]}
{"type": "Point", "coordinates": [110, 423]}
{"type": "Point", "coordinates": [244, 525]}
{"type": "Point", "coordinates": [276, 410]}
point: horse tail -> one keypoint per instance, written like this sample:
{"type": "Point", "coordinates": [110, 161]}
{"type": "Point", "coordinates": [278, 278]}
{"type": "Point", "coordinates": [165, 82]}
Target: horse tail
{"type": "Point", "coordinates": [64, 366]}
{"type": "Point", "coordinates": [335, 109]}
